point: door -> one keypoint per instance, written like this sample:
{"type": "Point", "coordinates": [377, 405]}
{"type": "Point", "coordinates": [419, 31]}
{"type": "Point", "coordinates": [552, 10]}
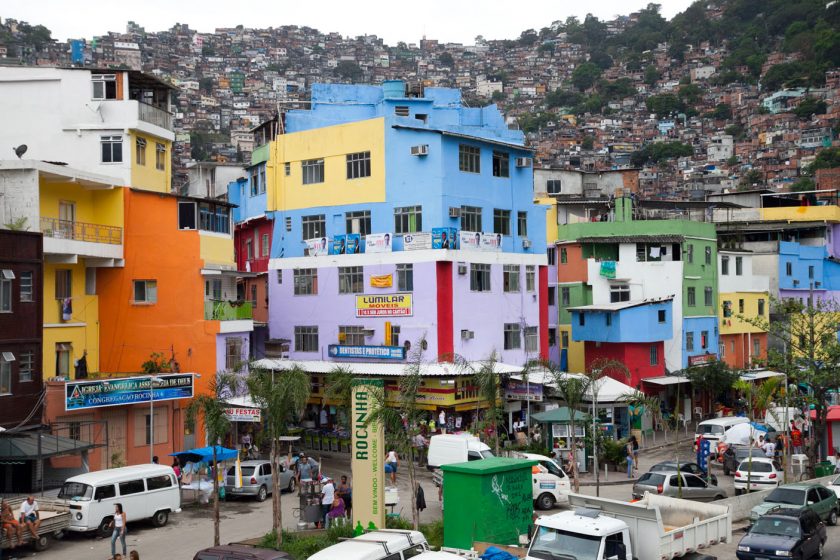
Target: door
{"type": "Point", "coordinates": [813, 500]}
{"type": "Point", "coordinates": [698, 490]}
{"type": "Point", "coordinates": [810, 535]}
{"type": "Point", "coordinates": [116, 421]}
{"type": "Point", "coordinates": [66, 219]}
{"type": "Point", "coordinates": [827, 499]}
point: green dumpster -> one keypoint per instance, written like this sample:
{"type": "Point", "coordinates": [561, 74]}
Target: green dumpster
{"type": "Point", "coordinates": [489, 501]}
{"type": "Point", "coordinates": [823, 468]}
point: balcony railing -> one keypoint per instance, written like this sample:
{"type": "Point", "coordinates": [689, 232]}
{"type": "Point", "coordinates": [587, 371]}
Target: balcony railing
{"type": "Point", "coordinates": [219, 310]}
{"type": "Point", "coordinates": [155, 115]}
{"type": "Point", "coordinates": [81, 231]}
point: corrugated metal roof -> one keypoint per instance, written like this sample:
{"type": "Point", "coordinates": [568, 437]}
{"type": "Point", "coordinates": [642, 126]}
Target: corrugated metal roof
{"type": "Point", "coordinates": [619, 305]}
{"type": "Point", "coordinates": [24, 445]}
{"type": "Point", "coordinates": [437, 369]}
{"type": "Point", "coordinates": [633, 239]}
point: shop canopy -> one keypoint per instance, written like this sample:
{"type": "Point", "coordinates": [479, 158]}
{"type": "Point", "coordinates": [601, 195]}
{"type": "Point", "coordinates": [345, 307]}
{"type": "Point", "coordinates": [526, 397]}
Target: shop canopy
{"type": "Point", "coordinates": [433, 369]}
{"type": "Point", "coordinates": [205, 454]}
{"type": "Point", "coordinates": [557, 415]}
{"type": "Point", "coordinates": [755, 375]}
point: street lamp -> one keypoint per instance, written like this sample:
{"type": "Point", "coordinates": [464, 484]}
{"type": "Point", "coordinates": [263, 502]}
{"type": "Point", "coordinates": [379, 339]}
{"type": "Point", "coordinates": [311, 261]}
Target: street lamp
{"type": "Point", "coordinates": [153, 380]}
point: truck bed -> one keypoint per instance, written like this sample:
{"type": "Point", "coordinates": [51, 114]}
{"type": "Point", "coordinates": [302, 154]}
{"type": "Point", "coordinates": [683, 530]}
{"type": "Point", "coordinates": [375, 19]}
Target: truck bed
{"type": "Point", "coordinates": [54, 514]}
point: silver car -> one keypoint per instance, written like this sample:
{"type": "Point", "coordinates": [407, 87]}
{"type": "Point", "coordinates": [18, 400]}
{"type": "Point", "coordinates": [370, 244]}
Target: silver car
{"type": "Point", "coordinates": [668, 484]}
{"type": "Point", "coordinates": [256, 480]}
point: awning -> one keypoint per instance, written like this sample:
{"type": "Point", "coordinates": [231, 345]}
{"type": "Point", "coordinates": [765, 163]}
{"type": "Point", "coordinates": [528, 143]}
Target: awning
{"type": "Point", "coordinates": [22, 446]}
{"type": "Point", "coordinates": [560, 414]}
{"type": "Point", "coordinates": [205, 454]}
{"type": "Point", "coordinates": [760, 374]}
{"type": "Point", "coordinates": [667, 380]}
{"type": "Point", "coordinates": [244, 401]}
{"type": "Point", "coordinates": [436, 369]}
{"type": "Point", "coordinates": [610, 391]}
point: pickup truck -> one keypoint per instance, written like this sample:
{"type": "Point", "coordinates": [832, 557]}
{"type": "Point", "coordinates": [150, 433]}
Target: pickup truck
{"type": "Point", "coordinates": [653, 528]}
{"type": "Point", "coordinates": [55, 519]}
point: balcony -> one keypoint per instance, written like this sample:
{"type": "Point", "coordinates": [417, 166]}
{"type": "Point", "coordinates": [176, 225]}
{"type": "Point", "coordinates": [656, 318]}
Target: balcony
{"type": "Point", "coordinates": [220, 310]}
{"type": "Point", "coordinates": [154, 115]}
{"type": "Point", "coordinates": [81, 231]}
{"type": "Point", "coordinates": [66, 240]}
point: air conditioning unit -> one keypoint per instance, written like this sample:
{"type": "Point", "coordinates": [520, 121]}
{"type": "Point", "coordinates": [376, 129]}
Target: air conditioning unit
{"type": "Point", "coordinates": [524, 162]}
{"type": "Point", "coordinates": [467, 334]}
{"type": "Point", "coordinates": [420, 150]}
{"type": "Point", "coordinates": [454, 212]}
{"type": "Point", "coordinates": [462, 268]}
{"type": "Point", "coordinates": [526, 243]}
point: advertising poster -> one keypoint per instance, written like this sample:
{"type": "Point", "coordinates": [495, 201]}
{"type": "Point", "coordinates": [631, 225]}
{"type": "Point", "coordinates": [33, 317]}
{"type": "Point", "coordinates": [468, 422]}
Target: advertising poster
{"type": "Point", "coordinates": [386, 305]}
{"type": "Point", "coordinates": [318, 246]}
{"type": "Point", "coordinates": [368, 454]}
{"type": "Point", "coordinates": [444, 238]}
{"type": "Point", "coordinates": [378, 243]}
{"type": "Point", "coordinates": [417, 241]}
{"type": "Point", "coordinates": [381, 280]}
{"type": "Point", "coordinates": [491, 242]}
{"type": "Point", "coordinates": [242, 414]}
{"type": "Point", "coordinates": [367, 352]}
{"type": "Point", "coordinates": [118, 391]}
{"type": "Point", "coordinates": [339, 243]}
{"type": "Point", "coordinates": [469, 240]}
{"type": "Point", "coordinates": [353, 244]}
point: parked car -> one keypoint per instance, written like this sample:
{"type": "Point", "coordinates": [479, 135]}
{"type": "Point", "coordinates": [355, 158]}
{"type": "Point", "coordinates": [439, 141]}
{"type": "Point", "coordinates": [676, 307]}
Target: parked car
{"type": "Point", "coordinates": [256, 480]}
{"type": "Point", "coordinates": [383, 544]}
{"type": "Point", "coordinates": [784, 533]}
{"type": "Point", "coordinates": [668, 484]}
{"type": "Point", "coordinates": [834, 486]}
{"type": "Point", "coordinates": [758, 473]}
{"type": "Point", "coordinates": [693, 468]}
{"type": "Point", "coordinates": [800, 495]}
{"type": "Point", "coordinates": [239, 552]}
{"type": "Point", "coordinates": [738, 453]}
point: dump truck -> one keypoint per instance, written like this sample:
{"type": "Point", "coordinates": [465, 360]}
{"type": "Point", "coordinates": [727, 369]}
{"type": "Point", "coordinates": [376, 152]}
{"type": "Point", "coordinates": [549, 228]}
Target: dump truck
{"type": "Point", "coordinates": [653, 528]}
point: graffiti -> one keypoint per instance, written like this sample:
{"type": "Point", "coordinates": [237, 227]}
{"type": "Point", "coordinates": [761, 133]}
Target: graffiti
{"type": "Point", "coordinates": [499, 492]}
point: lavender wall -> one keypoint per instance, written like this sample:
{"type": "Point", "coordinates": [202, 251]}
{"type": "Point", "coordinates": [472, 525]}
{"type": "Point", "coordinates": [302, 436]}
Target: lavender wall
{"type": "Point", "coordinates": [221, 345]}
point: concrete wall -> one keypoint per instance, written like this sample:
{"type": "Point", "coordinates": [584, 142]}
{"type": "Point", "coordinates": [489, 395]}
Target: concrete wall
{"type": "Point", "coordinates": [740, 506]}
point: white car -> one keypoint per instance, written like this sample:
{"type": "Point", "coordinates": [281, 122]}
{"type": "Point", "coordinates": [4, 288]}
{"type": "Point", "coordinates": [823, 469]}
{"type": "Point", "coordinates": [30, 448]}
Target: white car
{"type": "Point", "coordinates": [835, 486]}
{"type": "Point", "coordinates": [763, 474]}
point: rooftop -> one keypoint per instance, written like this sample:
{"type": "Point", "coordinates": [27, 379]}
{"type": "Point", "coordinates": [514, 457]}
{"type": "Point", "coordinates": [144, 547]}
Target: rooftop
{"type": "Point", "coordinates": [620, 305]}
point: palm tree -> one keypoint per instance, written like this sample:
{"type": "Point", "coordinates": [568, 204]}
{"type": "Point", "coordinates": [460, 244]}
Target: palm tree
{"type": "Point", "coordinates": [598, 369]}
{"type": "Point", "coordinates": [758, 399]}
{"type": "Point", "coordinates": [339, 388]}
{"type": "Point", "coordinates": [282, 397]}
{"type": "Point", "coordinates": [209, 411]}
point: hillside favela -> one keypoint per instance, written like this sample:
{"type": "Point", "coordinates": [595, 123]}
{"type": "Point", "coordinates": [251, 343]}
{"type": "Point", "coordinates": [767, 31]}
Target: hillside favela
{"type": "Point", "coordinates": [283, 292]}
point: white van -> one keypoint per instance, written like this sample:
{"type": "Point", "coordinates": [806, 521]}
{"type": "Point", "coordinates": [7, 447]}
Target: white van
{"type": "Point", "coordinates": [550, 483]}
{"type": "Point", "coordinates": [714, 429]}
{"type": "Point", "coordinates": [384, 544]}
{"type": "Point", "coordinates": [145, 492]}
{"type": "Point", "coordinates": [447, 449]}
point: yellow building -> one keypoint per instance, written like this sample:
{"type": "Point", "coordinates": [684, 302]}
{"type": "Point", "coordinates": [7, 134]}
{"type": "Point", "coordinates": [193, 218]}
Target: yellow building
{"type": "Point", "coordinates": [744, 297]}
{"type": "Point", "coordinates": [151, 161]}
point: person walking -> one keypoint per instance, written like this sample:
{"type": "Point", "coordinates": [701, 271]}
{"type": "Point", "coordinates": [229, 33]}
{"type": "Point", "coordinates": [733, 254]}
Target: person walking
{"type": "Point", "coordinates": [345, 492]}
{"type": "Point", "coordinates": [635, 443]}
{"type": "Point", "coordinates": [628, 452]}
{"type": "Point", "coordinates": [392, 461]}
{"type": "Point", "coordinates": [795, 438]}
{"type": "Point", "coordinates": [118, 525]}
{"type": "Point", "coordinates": [420, 447]}
{"type": "Point", "coordinates": [327, 499]}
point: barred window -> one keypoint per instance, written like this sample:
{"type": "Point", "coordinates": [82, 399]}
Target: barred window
{"type": "Point", "coordinates": [470, 218]}
{"type": "Point", "coordinates": [313, 171]}
{"type": "Point", "coordinates": [26, 287]}
{"type": "Point", "coordinates": [480, 277]}
{"type": "Point", "coordinates": [469, 158]}
{"type": "Point", "coordinates": [351, 335]}
{"type": "Point", "coordinates": [350, 280]}
{"type": "Point", "coordinates": [306, 339]}
{"type": "Point", "coordinates": [26, 366]}
{"type": "Point", "coordinates": [358, 165]}
{"type": "Point", "coordinates": [510, 277]}
{"type": "Point", "coordinates": [408, 219]}
{"type": "Point", "coordinates": [313, 226]}
{"type": "Point", "coordinates": [306, 281]}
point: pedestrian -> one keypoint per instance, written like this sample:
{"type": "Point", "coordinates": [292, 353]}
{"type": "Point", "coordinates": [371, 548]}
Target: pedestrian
{"type": "Point", "coordinates": [420, 447]}
{"type": "Point", "coordinates": [442, 421]}
{"type": "Point", "coordinates": [133, 555]}
{"type": "Point", "coordinates": [305, 471]}
{"type": "Point", "coordinates": [795, 438]}
{"type": "Point", "coordinates": [11, 526]}
{"type": "Point", "coordinates": [155, 460]}
{"type": "Point", "coordinates": [345, 490]}
{"type": "Point", "coordinates": [392, 461]}
{"type": "Point", "coordinates": [769, 449]}
{"type": "Point", "coordinates": [119, 528]}
{"type": "Point", "coordinates": [336, 511]}
{"type": "Point", "coordinates": [327, 498]}
{"type": "Point", "coordinates": [635, 443]}
{"type": "Point", "coordinates": [30, 516]}
{"type": "Point", "coordinates": [176, 466]}
{"type": "Point", "coordinates": [628, 452]}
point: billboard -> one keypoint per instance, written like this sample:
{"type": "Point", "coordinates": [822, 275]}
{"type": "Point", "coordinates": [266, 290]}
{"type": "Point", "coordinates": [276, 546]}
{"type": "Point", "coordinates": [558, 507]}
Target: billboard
{"type": "Point", "coordinates": [242, 414]}
{"type": "Point", "coordinates": [417, 241]}
{"type": "Point", "coordinates": [98, 393]}
{"type": "Point", "coordinates": [372, 352]}
{"type": "Point", "coordinates": [368, 455]}
{"type": "Point", "coordinates": [469, 240]}
{"type": "Point", "coordinates": [385, 305]}
{"type": "Point", "coordinates": [318, 246]}
{"type": "Point", "coordinates": [491, 242]}
{"type": "Point", "coordinates": [345, 244]}
{"type": "Point", "coordinates": [444, 238]}
{"type": "Point", "coordinates": [378, 243]}
{"type": "Point", "coordinates": [520, 391]}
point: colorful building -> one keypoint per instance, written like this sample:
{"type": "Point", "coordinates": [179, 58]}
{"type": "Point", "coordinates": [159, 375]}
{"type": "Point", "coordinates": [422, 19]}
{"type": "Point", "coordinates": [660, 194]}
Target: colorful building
{"type": "Point", "coordinates": [744, 297]}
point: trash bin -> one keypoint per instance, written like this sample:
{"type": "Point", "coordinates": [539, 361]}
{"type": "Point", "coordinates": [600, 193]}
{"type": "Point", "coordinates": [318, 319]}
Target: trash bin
{"type": "Point", "coordinates": [823, 468]}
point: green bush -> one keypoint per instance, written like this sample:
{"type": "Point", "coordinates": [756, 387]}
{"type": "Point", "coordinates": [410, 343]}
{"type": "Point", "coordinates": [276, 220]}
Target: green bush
{"type": "Point", "coordinates": [434, 533]}
{"type": "Point", "coordinates": [301, 547]}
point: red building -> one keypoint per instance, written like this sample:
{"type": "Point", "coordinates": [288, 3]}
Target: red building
{"type": "Point", "coordinates": [252, 242]}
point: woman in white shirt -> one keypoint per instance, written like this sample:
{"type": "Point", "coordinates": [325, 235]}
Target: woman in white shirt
{"type": "Point", "coordinates": [119, 530]}
{"type": "Point", "coordinates": [392, 461]}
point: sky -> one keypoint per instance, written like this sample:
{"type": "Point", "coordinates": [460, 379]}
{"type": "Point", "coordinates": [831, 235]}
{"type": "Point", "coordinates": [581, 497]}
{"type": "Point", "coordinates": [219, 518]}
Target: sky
{"type": "Point", "coordinates": [446, 20]}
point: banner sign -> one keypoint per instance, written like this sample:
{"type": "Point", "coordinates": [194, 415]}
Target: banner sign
{"type": "Point", "coordinates": [367, 467]}
{"type": "Point", "coordinates": [381, 280]}
{"type": "Point", "coordinates": [372, 352]}
{"type": "Point", "coordinates": [318, 247]}
{"type": "Point", "coordinates": [491, 242]}
{"type": "Point", "coordinates": [417, 241]}
{"type": "Point", "coordinates": [444, 238]}
{"type": "Point", "coordinates": [378, 243]}
{"type": "Point", "coordinates": [520, 391]}
{"type": "Point", "coordinates": [386, 305]}
{"type": "Point", "coordinates": [240, 414]}
{"type": "Point", "coordinates": [354, 244]}
{"type": "Point", "coordinates": [118, 391]}
{"type": "Point", "coordinates": [608, 269]}
{"type": "Point", "coordinates": [469, 240]}
{"type": "Point", "coordinates": [702, 359]}
{"type": "Point", "coordinates": [345, 244]}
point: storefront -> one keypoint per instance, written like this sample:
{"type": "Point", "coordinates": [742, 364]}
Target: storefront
{"type": "Point", "coordinates": [245, 418]}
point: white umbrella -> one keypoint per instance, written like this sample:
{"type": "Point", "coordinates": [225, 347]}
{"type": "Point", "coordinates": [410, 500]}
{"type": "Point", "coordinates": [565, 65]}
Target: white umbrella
{"type": "Point", "coordinates": [741, 434]}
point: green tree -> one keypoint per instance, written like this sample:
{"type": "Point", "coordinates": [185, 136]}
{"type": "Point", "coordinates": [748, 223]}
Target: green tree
{"type": "Point", "coordinates": [652, 75]}
{"type": "Point", "coordinates": [585, 75]}
{"type": "Point", "coordinates": [659, 151]}
{"type": "Point", "coordinates": [664, 105]}
{"type": "Point", "coordinates": [487, 382]}
{"type": "Point", "coordinates": [827, 158]}
{"type": "Point", "coordinates": [281, 396]}
{"type": "Point", "coordinates": [803, 185]}
{"type": "Point", "coordinates": [208, 410]}
{"type": "Point", "coordinates": [690, 93]}
{"type": "Point", "coordinates": [348, 70]}
{"type": "Point", "coordinates": [587, 143]}
{"type": "Point", "coordinates": [713, 379]}
{"type": "Point", "coordinates": [752, 177]}
{"type": "Point", "coordinates": [598, 369]}
{"type": "Point", "coordinates": [445, 59]}
{"type": "Point", "coordinates": [722, 111]}
{"type": "Point", "coordinates": [810, 106]}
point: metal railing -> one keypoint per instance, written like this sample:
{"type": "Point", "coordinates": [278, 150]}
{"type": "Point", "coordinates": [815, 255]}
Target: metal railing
{"type": "Point", "coordinates": [154, 115]}
{"type": "Point", "coordinates": [220, 310]}
{"type": "Point", "coordinates": [81, 231]}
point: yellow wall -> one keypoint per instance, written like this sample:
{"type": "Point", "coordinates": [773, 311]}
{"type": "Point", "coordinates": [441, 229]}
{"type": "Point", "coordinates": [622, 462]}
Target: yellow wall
{"type": "Point", "coordinates": [147, 176]}
{"type": "Point", "coordinates": [92, 206]}
{"type": "Point", "coordinates": [331, 144]}
{"type": "Point", "coordinates": [85, 310]}
{"type": "Point", "coordinates": [551, 230]}
{"type": "Point", "coordinates": [829, 213]}
{"type": "Point", "coordinates": [732, 324]}
{"type": "Point", "coordinates": [576, 352]}
{"type": "Point", "coordinates": [216, 249]}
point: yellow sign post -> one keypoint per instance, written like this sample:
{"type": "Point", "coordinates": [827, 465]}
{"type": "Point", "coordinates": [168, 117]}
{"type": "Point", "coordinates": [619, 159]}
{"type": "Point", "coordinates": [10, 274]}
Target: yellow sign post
{"type": "Point", "coordinates": [367, 462]}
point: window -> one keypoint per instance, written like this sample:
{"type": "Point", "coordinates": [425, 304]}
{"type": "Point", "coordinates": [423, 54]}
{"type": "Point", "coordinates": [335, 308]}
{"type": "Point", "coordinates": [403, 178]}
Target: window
{"type": "Point", "coordinates": [470, 218]}
{"type": "Point", "coordinates": [265, 245]}
{"type": "Point", "coordinates": [253, 295]}
{"type": "Point", "coordinates": [90, 281]}
{"type": "Point", "coordinates": [408, 219]}
{"type": "Point", "coordinates": [5, 296]}
{"type": "Point", "coordinates": [788, 269]}
{"type": "Point", "coordinates": [501, 164]}
{"type": "Point", "coordinates": [756, 347]}
{"type": "Point", "coordinates": [551, 252]}
{"type": "Point", "coordinates": [510, 277]}
{"type": "Point", "coordinates": [581, 319]}
{"type": "Point", "coordinates": [255, 182]}
{"type": "Point", "coordinates": [279, 276]}
{"type": "Point", "coordinates": [690, 253]}
{"type": "Point", "coordinates": [287, 168]}
{"type": "Point", "coordinates": [707, 296]}
{"type": "Point", "coordinates": [358, 222]}
{"type": "Point", "coordinates": [63, 353]}
{"type": "Point", "coordinates": [761, 307]}
{"type": "Point", "coordinates": [140, 151]}
{"type": "Point", "coordinates": [501, 221]}
{"type": "Point", "coordinates": [739, 266]}
{"type": "Point", "coordinates": [358, 165]}
{"type": "Point", "coordinates": [660, 315]}
{"type": "Point", "coordinates": [306, 281]}
{"type": "Point", "coordinates": [353, 336]}
{"type": "Point", "coordinates": [233, 354]}
{"type": "Point", "coordinates": [522, 224]}
{"type": "Point", "coordinates": [690, 296]}
{"type": "Point", "coordinates": [689, 341]}
{"type": "Point", "coordinates": [313, 171]}
{"type": "Point", "coordinates": [564, 256]}
{"type": "Point", "coordinates": [811, 271]}
{"type": "Point", "coordinates": [306, 339]}
{"type": "Point", "coordinates": [553, 186]}
{"type": "Point", "coordinates": [105, 492]}
{"type": "Point", "coordinates": [158, 482]}
{"type": "Point", "coordinates": [619, 292]}
{"type": "Point", "coordinates": [552, 337]}
{"type": "Point", "coordinates": [262, 181]}
{"type": "Point", "coordinates": [160, 157]}
{"type": "Point", "coordinates": [654, 355]}
{"type": "Point", "coordinates": [741, 306]}
{"type": "Point", "coordinates": [111, 149]}
{"type": "Point", "coordinates": [513, 340]}
{"type": "Point", "coordinates": [27, 290]}
{"type": "Point", "coordinates": [213, 289]}
{"type": "Point", "coordinates": [609, 319]}
{"type": "Point", "coordinates": [480, 277]}
{"type": "Point", "coordinates": [132, 486]}
{"type": "Point", "coordinates": [530, 278]}
{"type": "Point", "coordinates": [564, 339]}
{"type": "Point", "coordinates": [104, 86]}
{"type": "Point", "coordinates": [313, 226]}
{"type": "Point", "coordinates": [565, 296]}
{"type": "Point", "coordinates": [650, 252]}
{"type": "Point", "coordinates": [214, 217]}
{"type": "Point", "coordinates": [532, 340]}
{"type": "Point", "coordinates": [350, 280]}
{"type": "Point", "coordinates": [186, 215]}
{"type": "Point", "coordinates": [708, 255]}
{"type": "Point", "coordinates": [704, 340]}
{"type": "Point", "coordinates": [5, 377]}
{"type": "Point", "coordinates": [26, 366]}
{"type": "Point", "coordinates": [145, 291]}
{"type": "Point", "coordinates": [405, 277]}
{"type": "Point", "coordinates": [249, 249]}
{"type": "Point", "coordinates": [727, 308]}
{"type": "Point", "coordinates": [469, 160]}
{"type": "Point", "coordinates": [724, 266]}
{"type": "Point", "coordinates": [402, 111]}
{"type": "Point", "coordinates": [63, 283]}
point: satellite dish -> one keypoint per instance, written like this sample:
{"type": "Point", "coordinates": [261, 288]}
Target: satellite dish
{"type": "Point", "coordinates": [20, 150]}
